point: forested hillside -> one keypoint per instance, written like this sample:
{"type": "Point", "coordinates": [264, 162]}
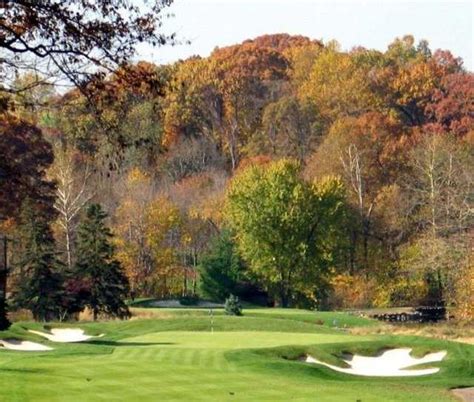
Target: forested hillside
{"type": "Point", "coordinates": [282, 169]}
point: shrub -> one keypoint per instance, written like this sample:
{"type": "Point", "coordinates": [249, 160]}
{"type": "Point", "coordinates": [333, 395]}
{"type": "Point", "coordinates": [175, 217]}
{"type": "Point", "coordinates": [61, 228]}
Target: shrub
{"type": "Point", "coordinates": [233, 306]}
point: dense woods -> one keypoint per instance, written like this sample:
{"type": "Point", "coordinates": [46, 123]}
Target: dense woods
{"type": "Point", "coordinates": [282, 170]}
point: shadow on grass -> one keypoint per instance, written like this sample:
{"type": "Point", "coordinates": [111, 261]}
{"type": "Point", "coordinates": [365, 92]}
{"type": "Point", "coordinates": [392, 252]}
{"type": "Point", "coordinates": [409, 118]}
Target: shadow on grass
{"type": "Point", "coordinates": [117, 343]}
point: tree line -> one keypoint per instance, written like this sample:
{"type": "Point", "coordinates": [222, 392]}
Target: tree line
{"type": "Point", "coordinates": [282, 170]}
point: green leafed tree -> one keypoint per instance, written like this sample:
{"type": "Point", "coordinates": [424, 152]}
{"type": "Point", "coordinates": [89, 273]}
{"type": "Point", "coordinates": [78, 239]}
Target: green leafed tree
{"type": "Point", "coordinates": [41, 284]}
{"type": "Point", "coordinates": [96, 263]}
{"type": "Point", "coordinates": [221, 268]}
{"type": "Point", "coordinates": [287, 229]}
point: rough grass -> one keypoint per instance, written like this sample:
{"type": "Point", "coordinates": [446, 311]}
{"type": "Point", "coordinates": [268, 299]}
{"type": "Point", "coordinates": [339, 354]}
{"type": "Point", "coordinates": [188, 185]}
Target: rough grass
{"type": "Point", "coordinates": [457, 331]}
{"type": "Point", "coordinates": [174, 356]}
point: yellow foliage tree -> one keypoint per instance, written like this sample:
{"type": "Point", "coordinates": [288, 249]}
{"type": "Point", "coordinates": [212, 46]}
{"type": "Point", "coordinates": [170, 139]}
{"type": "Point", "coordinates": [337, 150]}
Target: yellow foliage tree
{"type": "Point", "coordinates": [149, 235]}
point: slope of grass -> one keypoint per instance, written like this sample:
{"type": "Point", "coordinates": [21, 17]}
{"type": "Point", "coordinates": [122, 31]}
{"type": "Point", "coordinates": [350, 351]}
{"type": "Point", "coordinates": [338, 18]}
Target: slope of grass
{"type": "Point", "coordinates": [175, 356]}
{"type": "Point", "coordinates": [328, 319]}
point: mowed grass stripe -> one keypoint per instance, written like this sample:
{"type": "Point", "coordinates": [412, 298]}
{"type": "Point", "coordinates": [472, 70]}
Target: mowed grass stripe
{"type": "Point", "coordinates": [192, 357]}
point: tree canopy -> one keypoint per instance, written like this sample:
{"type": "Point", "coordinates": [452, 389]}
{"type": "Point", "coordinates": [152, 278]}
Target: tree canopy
{"type": "Point", "coordinates": [72, 39]}
{"type": "Point", "coordinates": [285, 227]}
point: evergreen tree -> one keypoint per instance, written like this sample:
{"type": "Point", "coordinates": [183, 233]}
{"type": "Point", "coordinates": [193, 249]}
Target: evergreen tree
{"type": "Point", "coordinates": [40, 289]}
{"type": "Point", "coordinates": [233, 306]}
{"type": "Point", "coordinates": [96, 264]}
{"type": "Point", "coordinates": [221, 268]}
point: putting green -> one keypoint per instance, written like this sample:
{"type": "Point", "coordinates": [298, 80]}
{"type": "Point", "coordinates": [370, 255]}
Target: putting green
{"type": "Point", "coordinates": [176, 357]}
{"type": "Point", "coordinates": [233, 340]}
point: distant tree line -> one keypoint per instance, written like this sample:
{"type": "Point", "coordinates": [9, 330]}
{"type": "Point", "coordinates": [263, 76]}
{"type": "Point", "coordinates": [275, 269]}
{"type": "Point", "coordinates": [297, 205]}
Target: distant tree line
{"type": "Point", "coordinates": [280, 170]}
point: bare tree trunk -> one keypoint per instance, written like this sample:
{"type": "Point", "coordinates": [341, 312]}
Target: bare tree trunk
{"type": "Point", "coordinates": [194, 272]}
{"type": "Point", "coordinates": [185, 281]}
{"type": "Point", "coordinates": [67, 232]}
{"type": "Point", "coordinates": [233, 154]}
{"type": "Point", "coordinates": [71, 196]}
{"type": "Point", "coordinates": [352, 167]}
{"type": "Point", "coordinates": [431, 173]}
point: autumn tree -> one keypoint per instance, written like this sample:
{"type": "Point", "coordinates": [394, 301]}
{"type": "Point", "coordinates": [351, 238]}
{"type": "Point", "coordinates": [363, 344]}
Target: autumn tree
{"type": "Point", "coordinates": [282, 42]}
{"type": "Point", "coordinates": [364, 152]}
{"type": "Point", "coordinates": [192, 156]}
{"type": "Point", "coordinates": [464, 289]}
{"type": "Point", "coordinates": [410, 78]}
{"type": "Point", "coordinates": [438, 262]}
{"type": "Point", "coordinates": [150, 234]}
{"type": "Point", "coordinates": [67, 38]}
{"type": "Point", "coordinates": [165, 237]}
{"type": "Point", "coordinates": [131, 228]}
{"type": "Point", "coordinates": [286, 228]}
{"type": "Point", "coordinates": [440, 184]}
{"type": "Point", "coordinates": [23, 172]}
{"type": "Point", "coordinates": [185, 97]}
{"type": "Point", "coordinates": [200, 199]}
{"type": "Point", "coordinates": [76, 43]}
{"type": "Point", "coordinates": [118, 123]}
{"type": "Point", "coordinates": [437, 202]}
{"type": "Point", "coordinates": [338, 86]}
{"type": "Point", "coordinates": [32, 97]}
{"type": "Point", "coordinates": [242, 74]}
{"type": "Point", "coordinates": [221, 97]}
{"type": "Point", "coordinates": [291, 128]}
{"type": "Point", "coordinates": [450, 107]}
{"type": "Point", "coordinates": [301, 59]}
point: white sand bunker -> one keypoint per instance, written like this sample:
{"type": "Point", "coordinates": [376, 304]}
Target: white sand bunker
{"type": "Point", "coordinates": [391, 363]}
{"type": "Point", "coordinates": [26, 346]}
{"type": "Point", "coordinates": [65, 335]}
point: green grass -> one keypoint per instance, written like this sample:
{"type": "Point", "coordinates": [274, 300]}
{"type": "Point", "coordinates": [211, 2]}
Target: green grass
{"type": "Point", "coordinates": [174, 356]}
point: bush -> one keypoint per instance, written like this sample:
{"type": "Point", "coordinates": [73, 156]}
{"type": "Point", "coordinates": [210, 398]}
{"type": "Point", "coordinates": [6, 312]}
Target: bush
{"type": "Point", "coordinates": [233, 306]}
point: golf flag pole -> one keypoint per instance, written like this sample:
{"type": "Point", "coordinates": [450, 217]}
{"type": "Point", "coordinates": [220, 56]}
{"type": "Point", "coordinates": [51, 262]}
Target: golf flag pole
{"type": "Point", "coordinates": [211, 314]}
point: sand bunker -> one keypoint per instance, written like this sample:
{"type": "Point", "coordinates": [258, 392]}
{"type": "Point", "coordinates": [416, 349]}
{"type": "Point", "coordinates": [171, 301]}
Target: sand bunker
{"type": "Point", "coordinates": [65, 335]}
{"type": "Point", "coordinates": [465, 394]}
{"type": "Point", "coordinates": [391, 363]}
{"type": "Point", "coordinates": [26, 346]}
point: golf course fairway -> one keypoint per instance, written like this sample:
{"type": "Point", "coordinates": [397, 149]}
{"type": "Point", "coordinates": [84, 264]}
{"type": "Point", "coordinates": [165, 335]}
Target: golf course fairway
{"type": "Point", "coordinates": [176, 355]}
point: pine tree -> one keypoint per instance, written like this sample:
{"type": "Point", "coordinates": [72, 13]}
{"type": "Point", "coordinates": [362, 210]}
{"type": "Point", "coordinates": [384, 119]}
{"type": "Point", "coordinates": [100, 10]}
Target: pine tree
{"type": "Point", "coordinates": [96, 264]}
{"type": "Point", "coordinates": [233, 306]}
{"type": "Point", "coordinates": [40, 289]}
{"type": "Point", "coordinates": [221, 268]}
